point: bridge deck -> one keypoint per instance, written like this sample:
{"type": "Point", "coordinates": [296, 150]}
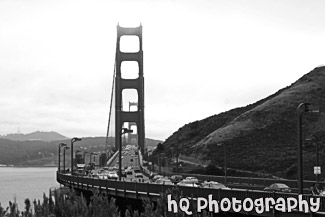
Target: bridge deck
{"type": "Point", "coordinates": [153, 191]}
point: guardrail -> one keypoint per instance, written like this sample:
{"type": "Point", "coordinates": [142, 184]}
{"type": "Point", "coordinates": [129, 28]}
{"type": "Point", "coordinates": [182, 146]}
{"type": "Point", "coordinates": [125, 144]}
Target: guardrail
{"type": "Point", "coordinates": [154, 191]}
{"type": "Point", "coordinates": [231, 180]}
{"type": "Point", "coordinates": [263, 182]}
{"type": "Point", "coordinates": [144, 170]}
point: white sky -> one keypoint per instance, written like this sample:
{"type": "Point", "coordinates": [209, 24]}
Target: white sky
{"type": "Point", "coordinates": [201, 58]}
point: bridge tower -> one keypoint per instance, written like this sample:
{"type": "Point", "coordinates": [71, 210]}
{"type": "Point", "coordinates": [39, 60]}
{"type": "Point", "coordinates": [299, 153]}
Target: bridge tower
{"type": "Point", "coordinates": [121, 84]}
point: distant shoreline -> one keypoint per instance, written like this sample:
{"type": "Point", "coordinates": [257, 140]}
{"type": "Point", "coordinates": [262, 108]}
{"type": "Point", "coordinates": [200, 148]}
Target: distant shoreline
{"type": "Point", "coordinates": [22, 166]}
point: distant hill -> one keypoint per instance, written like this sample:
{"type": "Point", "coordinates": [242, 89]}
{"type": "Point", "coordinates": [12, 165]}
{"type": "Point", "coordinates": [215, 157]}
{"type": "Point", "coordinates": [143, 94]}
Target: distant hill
{"type": "Point", "coordinates": [43, 153]}
{"type": "Point", "coordinates": [41, 136]}
{"type": "Point", "coordinates": [260, 137]}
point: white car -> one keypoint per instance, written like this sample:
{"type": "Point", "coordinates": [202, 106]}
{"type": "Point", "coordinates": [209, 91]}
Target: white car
{"type": "Point", "coordinates": [187, 183]}
{"type": "Point", "coordinates": [192, 179]}
{"type": "Point", "coordinates": [156, 177]}
{"type": "Point", "coordinates": [138, 175]}
{"type": "Point", "coordinates": [164, 181]}
{"type": "Point", "coordinates": [101, 176]}
{"type": "Point", "coordinates": [212, 184]}
{"type": "Point", "coordinates": [112, 175]}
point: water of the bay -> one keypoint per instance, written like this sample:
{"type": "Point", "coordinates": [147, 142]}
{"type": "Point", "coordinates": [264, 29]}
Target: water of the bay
{"type": "Point", "coordinates": [25, 182]}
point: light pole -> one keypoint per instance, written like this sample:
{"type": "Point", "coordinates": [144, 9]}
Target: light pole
{"type": "Point", "coordinates": [59, 164]}
{"type": "Point", "coordinates": [65, 148]}
{"type": "Point", "coordinates": [73, 140]}
{"type": "Point", "coordinates": [302, 108]}
{"type": "Point", "coordinates": [225, 164]}
{"type": "Point", "coordinates": [162, 162]}
{"type": "Point", "coordinates": [177, 155]}
{"type": "Point", "coordinates": [124, 130]}
{"type": "Point", "coordinates": [225, 159]}
{"type": "Point", "coordinates": [159, 162]}
{"type": "Point", "coordinates": [317, 158]}
{"type": "Point", "coordinates": [317, 138]}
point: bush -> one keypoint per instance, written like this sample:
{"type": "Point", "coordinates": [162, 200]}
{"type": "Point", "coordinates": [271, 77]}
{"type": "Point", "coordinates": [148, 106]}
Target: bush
{"type": "Point", "coordinates": [66, 203]}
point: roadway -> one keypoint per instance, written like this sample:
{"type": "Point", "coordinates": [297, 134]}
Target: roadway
{"type": "Point", "coordinates": [130, 159]}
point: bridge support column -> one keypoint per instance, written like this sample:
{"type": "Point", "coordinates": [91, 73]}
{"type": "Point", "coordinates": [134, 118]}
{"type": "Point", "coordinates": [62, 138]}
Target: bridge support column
{"type": "Point", "coordinates": [122, 83]}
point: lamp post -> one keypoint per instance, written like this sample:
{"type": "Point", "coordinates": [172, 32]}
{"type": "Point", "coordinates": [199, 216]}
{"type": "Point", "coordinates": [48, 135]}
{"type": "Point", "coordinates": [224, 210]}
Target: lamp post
{"type": "Point", "coordinates": [317, 138]}
{"type": "Point", "coordinates": [124, 130]}
{"type": "Point", "coordinates": [73, 140]}
{"type": "Point", "coordinates": [302, 108]}
{"type": "Point", "coordinates": [177, 155]}
{"type": "Point", "coordinates": [225, 164]}
{"type": "Point", "coordinates": [59, 164]}
{"type": "Point", "coordinates": [225, 159]}
{"type": "Point", "coordinates": [162, 162]}
{"type": "Point", "coordinates": [65, 148]}
{"type": "Point", "coordinates": [159, 162]}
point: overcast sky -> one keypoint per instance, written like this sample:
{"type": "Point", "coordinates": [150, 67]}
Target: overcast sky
{"type": "Point", "coordinates": [201, 58]}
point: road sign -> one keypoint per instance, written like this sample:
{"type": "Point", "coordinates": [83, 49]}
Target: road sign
{"type": "Point", "coordinates": [317, 170]}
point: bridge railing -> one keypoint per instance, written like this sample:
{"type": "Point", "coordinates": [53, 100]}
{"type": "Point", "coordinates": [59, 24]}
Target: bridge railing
{"type": "Point", "coordinates": [262, 182]}
{"type": "Point", "coordinates": [231, 180]}
{"type": "Point", "coordinates": [190, 192]}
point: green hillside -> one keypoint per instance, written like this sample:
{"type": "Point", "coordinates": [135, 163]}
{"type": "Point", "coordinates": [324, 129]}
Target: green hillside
{"type": "Point", "coordinates": [260, 137]}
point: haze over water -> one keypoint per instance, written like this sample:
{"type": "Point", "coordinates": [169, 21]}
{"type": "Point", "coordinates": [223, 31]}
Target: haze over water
{"type": "Point", "coordinates": [25, 182]}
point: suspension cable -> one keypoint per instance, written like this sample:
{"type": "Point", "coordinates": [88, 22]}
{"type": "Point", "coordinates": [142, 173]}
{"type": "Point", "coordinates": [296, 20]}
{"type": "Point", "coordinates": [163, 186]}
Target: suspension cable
{"type": "Point", "coordinates": [110, 109]}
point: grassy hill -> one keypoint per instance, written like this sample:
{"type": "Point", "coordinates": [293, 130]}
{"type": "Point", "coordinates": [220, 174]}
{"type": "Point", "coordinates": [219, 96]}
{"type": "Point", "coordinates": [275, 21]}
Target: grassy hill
{"type": "Point", "coordinates": [42, 136]}
{"type": "Point", "coordinates": [42, 153]}
{"type": "Point", "coordinates": [260, 137]}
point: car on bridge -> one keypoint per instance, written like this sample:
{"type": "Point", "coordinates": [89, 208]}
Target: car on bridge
{"type": "Point", "coordinates": [156, 177]}
{"type": "Point", "coordinates": [138, 175]}
{"type": "Point", "coordinates": [278, 187]}
{"type": "Point", "coordinates": [152, 175]}
{"type": "Point", "coordinates": [102, 176]}
{"type": "Point", "coordinates": [176, 178]}
{"type": "Point", "coordinates": [112, 175]}
{"type": "Point", "coordinates": [93, 175]}
{"type": "Point", "coordinates": [212, 184]}
{"type": "Point", "coordinates": [192, 179]}
{"type": "Point", "coordinates": [164, 181]}
{"type": "Point", "coordinates": [129, 171]}
{"type": "Point", "coordinates": [187, 183]}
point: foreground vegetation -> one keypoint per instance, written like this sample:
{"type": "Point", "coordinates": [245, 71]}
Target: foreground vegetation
{"type": "Point", "coordinates": [67, 203]}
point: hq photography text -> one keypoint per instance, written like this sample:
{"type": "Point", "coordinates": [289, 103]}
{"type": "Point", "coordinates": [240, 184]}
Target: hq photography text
{"type": "Point", "coordinates": [233, 204]}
